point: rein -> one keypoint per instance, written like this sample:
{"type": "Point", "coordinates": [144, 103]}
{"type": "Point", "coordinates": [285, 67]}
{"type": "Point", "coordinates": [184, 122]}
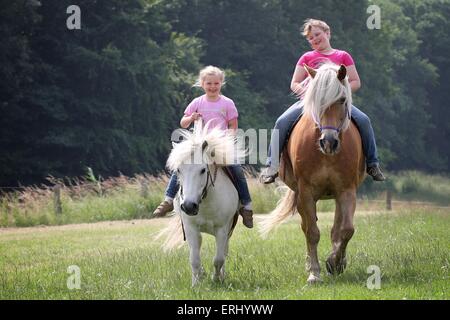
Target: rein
{"type": "Point", "coordinates": [209, 177]}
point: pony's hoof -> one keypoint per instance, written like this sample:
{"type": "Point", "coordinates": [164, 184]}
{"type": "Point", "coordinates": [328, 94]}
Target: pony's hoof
{"type": "Point", "coordinates": [197, 278]}
{"type": "Point", "coordinates": [220, 277]}
{"type": "Point", "coordinates": [195, 282]}
{"type": "Point", "coordinates": [312, 279]}
{"type": "Point", "coordinates": [336, 269]}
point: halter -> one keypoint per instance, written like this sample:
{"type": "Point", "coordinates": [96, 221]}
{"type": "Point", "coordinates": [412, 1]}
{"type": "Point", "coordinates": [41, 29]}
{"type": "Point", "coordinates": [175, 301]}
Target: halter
{"type": "Point", "coordinates": [337, 129]}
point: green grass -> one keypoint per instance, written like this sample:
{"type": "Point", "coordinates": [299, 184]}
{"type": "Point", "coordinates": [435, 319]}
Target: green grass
{"type": "Point", "coordinates": [120, 260]}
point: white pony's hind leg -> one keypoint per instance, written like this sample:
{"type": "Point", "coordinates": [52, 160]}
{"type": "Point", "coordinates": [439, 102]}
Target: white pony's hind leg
{"type": "Point", "coordinates": [194, 239]}
{"type": "Point", "coordinates": [221, 252]}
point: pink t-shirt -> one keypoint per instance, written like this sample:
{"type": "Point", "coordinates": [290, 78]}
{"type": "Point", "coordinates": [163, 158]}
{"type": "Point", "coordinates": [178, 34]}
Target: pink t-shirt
{"type": "Point", "coordinates": [315, 59]}
{"type": "Point", "coordinates": [219, 112]}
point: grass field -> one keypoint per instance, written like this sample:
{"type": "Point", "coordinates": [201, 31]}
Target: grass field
{"type": "Point", "coordinates": [119, 260]}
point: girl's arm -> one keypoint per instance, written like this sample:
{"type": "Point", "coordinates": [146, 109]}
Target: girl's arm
{"type": "Point", "coordinates": [233, 125]}
{"type": "Point", "coordinates": [187, 120]}
{"type": "Point", "coordinates": [299, 75]}
{"type": "Point", "coordinates": [353, 78]}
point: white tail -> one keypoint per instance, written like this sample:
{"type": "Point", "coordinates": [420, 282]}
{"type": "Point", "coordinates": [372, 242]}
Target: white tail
{"type": "Point", "coordinates": [172, 234]}
{"type": "Point", "coordinates": [285, 207]}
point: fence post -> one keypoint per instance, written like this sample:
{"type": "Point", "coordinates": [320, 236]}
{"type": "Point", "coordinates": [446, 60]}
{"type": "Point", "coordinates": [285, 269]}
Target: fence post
{"type": "Point", "coordinates": [389, 199]}
{"type": "Point", "coordinates": [57, 199]}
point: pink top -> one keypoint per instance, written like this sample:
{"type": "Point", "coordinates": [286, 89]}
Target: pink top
{"type": "Point", "coordinates": [219, 112]}
{"type": "Point", "coordinates": [315, 59]}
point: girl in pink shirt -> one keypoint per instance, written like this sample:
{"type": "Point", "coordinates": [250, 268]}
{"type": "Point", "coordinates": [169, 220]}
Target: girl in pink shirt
{"type": "Point", "coordinates": [219, 112]}
{"type": "Point", "coordinates": [317, 33]}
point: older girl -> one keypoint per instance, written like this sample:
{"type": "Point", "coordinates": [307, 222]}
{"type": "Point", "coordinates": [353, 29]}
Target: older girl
{"type": "Point", "coordinates": [317, 33]}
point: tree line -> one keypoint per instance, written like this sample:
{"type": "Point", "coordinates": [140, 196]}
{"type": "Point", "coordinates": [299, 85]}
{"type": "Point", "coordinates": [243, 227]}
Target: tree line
{"type": "Point", "coordinates": [107, 96]}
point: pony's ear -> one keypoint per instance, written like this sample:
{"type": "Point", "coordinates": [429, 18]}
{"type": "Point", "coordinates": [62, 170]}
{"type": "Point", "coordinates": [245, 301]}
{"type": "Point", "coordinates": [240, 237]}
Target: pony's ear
{"type": "Point", "coordinates": [204, 145]}
{"type": "Point", "coordinates": [342, 72]}
{"type": "Point", "coordinates": [312, 72]}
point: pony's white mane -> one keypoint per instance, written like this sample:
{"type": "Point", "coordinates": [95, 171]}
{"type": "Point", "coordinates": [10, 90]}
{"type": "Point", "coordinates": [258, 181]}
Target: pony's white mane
{"type": "Point", "coordinates": [325, 89]}
{"type": "Point", "coordinates": [222, 148]}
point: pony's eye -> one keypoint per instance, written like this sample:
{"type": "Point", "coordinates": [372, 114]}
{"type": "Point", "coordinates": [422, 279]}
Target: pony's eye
{"type": "Point", "coordinates": [342, 100]}
{"type": "Point", "coordinates": [203, 171]}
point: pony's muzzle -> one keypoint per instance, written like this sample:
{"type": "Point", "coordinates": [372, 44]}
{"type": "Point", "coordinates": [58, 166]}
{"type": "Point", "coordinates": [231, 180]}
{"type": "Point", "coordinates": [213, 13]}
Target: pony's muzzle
{"type": "Point", "coordinates": [190, 208]}
{"type": "Point", "coordinates": [329, 144]}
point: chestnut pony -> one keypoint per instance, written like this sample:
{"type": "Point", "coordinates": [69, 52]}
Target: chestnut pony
{"type": "Point", "coordinates": [323, 159]}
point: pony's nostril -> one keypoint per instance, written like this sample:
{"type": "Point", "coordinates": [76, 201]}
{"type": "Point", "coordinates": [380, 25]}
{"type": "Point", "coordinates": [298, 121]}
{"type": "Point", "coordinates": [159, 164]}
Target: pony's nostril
{"type": "Point", "coordinates": [335, 144]}
{"type": "Point", "coordinates": [322, 145]}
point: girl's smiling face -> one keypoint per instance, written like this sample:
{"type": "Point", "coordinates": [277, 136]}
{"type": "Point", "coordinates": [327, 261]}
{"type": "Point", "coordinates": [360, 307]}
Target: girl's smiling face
{"type": "Point", "coordinates": [319, 39]}
{"type": "Point", "coordinates": [212, 85]}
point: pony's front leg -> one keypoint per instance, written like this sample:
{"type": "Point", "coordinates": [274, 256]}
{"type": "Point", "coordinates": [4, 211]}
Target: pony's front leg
{"type": "Point", "coordinates": [307, 209]}
{"type": "Point", "coordinates": [194, 239]}
{"type": "Point", "coordinates": [221, 252]}
{"type": "Point", "coordinates": [342, 231]}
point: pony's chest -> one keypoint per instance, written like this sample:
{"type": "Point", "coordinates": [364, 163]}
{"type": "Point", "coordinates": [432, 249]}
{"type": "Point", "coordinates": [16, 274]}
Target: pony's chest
{"type": "Point", "coordinates": [209, 219]}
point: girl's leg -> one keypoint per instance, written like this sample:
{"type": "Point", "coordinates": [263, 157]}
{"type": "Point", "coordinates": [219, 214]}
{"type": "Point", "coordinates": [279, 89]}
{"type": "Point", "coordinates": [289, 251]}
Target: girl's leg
{"type": "Point", "coordinates": [172, 188]}
{"type": "Point", "coordinates": [368, 142]}
{"type": "Point", "coordinates": [283, 126]}
{"type": "Point", "coordinates": [244, 194]}
{"type": "Point", "coordinates": [171, 191]}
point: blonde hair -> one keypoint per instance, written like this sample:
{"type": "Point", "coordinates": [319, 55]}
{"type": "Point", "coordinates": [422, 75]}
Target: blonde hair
{"type": "Point", "coordinates": [309, 23]}
{"type": "Point", "coordinates": [209, 71]}
{"type": "Point", "coordinates": [325, 89]}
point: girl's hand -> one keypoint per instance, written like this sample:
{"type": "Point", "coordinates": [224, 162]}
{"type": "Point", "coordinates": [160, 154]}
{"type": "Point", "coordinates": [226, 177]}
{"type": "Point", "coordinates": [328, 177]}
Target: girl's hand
{"type": "Point", "coordinates": [195, 116]}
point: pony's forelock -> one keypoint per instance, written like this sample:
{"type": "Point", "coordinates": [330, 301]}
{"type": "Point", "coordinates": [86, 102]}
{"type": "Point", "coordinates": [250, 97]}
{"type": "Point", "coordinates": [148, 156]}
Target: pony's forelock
{"type": "Point", "coordinates": [222, 148]}
{"type": "Point", "coordinates": [325, 89]}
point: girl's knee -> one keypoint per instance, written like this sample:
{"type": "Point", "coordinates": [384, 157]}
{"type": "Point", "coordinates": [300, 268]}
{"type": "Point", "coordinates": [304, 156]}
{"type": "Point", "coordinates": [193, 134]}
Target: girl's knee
{"type": "Point", "coordinates": [280, 123]}
{"type": "Point", "coordinates": [365, 118]}
{"type": "Point", "coordinates": [362, 118]}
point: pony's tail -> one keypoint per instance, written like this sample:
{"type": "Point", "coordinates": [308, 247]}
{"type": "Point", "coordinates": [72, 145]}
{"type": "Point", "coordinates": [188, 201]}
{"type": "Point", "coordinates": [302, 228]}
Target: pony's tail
{"type": "Point", "coordinates": [173, 234]}
{"type": "Point", "coordinates": [285, 207]}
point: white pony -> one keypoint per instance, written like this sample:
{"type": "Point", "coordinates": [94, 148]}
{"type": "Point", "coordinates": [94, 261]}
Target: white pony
{"type": "Point", "coordinates": [207, 200]}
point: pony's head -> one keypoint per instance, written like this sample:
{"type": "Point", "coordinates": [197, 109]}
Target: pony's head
{"type": "Point", "coordinates": [195, 160]}
{"type": "Point", "coordinates": [328, 101]}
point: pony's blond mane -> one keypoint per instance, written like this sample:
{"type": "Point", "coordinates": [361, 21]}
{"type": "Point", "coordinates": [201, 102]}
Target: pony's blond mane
{"type": "Point", "coordinates": [222, 148]}
{"type": "Point", "coordinates": [324, 90]}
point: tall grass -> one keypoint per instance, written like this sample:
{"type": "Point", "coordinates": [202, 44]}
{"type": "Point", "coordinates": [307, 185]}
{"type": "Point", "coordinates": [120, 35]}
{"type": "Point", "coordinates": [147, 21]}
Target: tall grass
{"type": "Point", "coordinates": [82, 200]}
{"type": "Point", "coordinates": [89, 199]}
{"type": "Point", "coordinates": [411, 186]}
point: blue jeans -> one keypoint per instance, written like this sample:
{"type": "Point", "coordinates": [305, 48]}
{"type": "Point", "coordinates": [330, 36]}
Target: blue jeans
{"type": "Point", "coordinates": [286, 122]}
{"type": "Point", "coordinates": [238, 175]}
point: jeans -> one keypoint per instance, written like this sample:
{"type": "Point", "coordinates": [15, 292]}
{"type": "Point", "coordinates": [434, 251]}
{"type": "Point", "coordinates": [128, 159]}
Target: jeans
{"type": "Point", "coordinates": [172, 187]}
{"type": "Point", "coordinates": [238, 175]}
{"type": "Point", "coordinates": [286, 122]}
